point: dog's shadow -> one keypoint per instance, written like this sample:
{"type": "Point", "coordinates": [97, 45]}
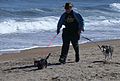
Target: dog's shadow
{"type": "Point", "coordinates": [32, 67]}
{"type": "Point", "coordinates": [19, 67]}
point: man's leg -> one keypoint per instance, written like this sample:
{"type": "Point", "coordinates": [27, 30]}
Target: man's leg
{"type": "Point", "coordinates": [65, 48]}
{"type": "Point", "coordinates": [75, 44]}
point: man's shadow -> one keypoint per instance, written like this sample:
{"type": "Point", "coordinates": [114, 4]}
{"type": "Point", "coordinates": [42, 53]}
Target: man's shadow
{"type": "Point", "coordinates": [33, 68]}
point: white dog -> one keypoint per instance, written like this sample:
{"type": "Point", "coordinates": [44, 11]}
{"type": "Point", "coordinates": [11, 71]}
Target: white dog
{"type": "Point", "coordinates": [107, 51]}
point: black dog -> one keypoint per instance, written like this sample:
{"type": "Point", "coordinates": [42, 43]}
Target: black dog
{"type": "Point", "coordinates": [107, 51]}
{"type": "Point", "coordinates": [42, 63]}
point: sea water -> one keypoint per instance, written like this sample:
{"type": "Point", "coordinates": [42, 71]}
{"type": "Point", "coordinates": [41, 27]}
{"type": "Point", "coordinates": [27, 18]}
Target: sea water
{"type": "Point", "coordinates": [28, 24]}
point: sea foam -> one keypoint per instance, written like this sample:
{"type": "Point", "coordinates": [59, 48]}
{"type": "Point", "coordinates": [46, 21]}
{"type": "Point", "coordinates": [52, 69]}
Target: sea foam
{"type": "Point", "coordinates": [28, 25]}
{"type": "Point", "coordinates": [115, 6]}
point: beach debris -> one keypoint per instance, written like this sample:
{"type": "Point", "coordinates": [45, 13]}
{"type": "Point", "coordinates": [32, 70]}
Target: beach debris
{"type": "Point", "coordinates": [90, 66]}
{"type": "Point", "coordinates": [55, 77]}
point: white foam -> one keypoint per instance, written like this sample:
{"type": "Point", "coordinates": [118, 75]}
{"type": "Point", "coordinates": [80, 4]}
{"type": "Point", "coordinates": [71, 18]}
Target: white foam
{"type": "Point", "coordinates": [7, 51]}
{"type": "Point", "coordinates": [37, 24]}
{"type": "Point", "coordinates": [101, 23]}
{"type": "Point", "coordinates": [50, 23]}
{"type": "Point", "coordinates": [115, 6]}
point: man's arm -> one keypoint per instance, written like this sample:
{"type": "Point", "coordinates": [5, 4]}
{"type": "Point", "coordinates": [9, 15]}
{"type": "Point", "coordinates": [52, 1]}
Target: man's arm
{"type": "Point", "coordinates": [60, 23]}
{"type": "Point", "coordinates": [81, 23]}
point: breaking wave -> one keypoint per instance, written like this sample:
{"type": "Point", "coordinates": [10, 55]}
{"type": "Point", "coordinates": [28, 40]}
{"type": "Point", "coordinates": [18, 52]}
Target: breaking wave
{"type": "Point", "coordinates": [28, 25]}
{"type": "Point", "coordinates": [115, 6]}
{"type": "Point", "coordinates": [50, 23]}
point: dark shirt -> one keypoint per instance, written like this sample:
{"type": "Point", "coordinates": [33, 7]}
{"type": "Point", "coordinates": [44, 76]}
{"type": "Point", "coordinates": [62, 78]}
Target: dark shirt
{"type": "Point", "coordinates": [70, 22]}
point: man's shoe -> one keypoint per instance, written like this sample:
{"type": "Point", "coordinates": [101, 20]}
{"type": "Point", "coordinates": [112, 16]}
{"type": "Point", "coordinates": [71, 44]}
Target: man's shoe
{"type": "Point", "coordinates": [77, 60]}
{"type": "Point", "coordinates": [62, 60]}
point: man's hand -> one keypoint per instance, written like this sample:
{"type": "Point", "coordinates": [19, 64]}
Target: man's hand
{"type": "Point", "coordinates": [82, 30]}
{"type": "Point", "coordinates": [79, 32]}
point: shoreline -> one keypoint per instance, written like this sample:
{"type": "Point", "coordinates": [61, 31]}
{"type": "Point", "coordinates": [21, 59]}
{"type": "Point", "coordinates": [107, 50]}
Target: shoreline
{"type": "Point", "coordinates": [9, 51]}
{"type": "Point", "coordinates": [36, 51]}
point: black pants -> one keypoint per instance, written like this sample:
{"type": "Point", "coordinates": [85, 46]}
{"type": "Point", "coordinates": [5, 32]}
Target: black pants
{"type": "Point", "coordinates": [68, 37]}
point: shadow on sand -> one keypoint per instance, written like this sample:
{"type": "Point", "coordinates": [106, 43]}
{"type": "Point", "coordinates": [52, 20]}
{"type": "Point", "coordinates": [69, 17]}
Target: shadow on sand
{"type": "Point", "coordinates": [106, 62]}
{"type": "Point", "coordinates": [32, 67]}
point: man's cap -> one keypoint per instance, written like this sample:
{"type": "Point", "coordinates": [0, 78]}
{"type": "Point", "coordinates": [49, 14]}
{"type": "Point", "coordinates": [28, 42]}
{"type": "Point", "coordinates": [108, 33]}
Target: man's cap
{"type": "Point", "coordinates": [68, 5]}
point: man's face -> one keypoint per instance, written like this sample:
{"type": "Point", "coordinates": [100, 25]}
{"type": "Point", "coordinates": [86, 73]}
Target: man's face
{"type": "Point", "coordinates": [68, 10]}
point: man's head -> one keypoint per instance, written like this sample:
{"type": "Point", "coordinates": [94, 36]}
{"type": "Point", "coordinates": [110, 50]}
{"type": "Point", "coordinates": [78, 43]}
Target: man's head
{"type": "Point", "coordinates": [68, 7]}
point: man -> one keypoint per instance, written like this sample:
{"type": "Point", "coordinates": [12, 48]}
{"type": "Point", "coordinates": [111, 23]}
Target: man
{"type": "Point", "coordinates": [71, 33]}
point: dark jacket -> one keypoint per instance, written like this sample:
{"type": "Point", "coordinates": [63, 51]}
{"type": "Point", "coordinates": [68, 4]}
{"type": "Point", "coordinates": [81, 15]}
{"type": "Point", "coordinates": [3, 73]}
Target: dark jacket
{"type": "Point", "coordinates": [77, 16]}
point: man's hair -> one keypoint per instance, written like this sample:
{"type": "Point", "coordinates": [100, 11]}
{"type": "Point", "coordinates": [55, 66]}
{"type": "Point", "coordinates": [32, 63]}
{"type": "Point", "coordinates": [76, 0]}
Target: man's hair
{"type": "Point", "coordinates": [68, 5]}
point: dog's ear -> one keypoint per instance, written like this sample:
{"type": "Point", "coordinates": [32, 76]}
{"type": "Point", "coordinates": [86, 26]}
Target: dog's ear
{"type": "Point", "coordinates": [103, 46]}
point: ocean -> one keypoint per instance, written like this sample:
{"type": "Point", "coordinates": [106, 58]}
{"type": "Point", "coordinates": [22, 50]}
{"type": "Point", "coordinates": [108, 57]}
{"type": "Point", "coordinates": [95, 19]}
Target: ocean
{"type": "Point", "coordinates": [26, 24]}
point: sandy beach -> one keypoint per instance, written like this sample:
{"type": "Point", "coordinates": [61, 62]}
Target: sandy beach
{"type": "Point", "coordinates": [19, 66]}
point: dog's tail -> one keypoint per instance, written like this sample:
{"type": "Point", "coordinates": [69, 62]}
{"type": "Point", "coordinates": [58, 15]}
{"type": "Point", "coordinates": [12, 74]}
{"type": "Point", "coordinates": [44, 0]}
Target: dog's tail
{"type": "Point", "coordinates": [48, 55]}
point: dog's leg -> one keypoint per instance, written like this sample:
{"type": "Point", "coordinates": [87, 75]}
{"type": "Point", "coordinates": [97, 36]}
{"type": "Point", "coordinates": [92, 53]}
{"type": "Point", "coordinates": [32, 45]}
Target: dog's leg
{"type": "Point", "coordinates": [111, 52]}
{"type": "Point", "coordinates": [110, 56]}
{"type": "Point", "coordinates": [105, 57]}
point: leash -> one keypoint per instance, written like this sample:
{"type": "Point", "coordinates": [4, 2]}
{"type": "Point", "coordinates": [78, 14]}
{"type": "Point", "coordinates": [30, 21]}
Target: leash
{"type": "Point", "coordinates": [91, 41]}
{"type": "Point", "coordinates": [52, 40]}
{"type": "Point", "coordinates": [50, 45]}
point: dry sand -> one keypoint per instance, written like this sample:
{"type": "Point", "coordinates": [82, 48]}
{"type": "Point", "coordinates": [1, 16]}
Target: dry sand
{"type": "Point", "coordinates": [19, 66]}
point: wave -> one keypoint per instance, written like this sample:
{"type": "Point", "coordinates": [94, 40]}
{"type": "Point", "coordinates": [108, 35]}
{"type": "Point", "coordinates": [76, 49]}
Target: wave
{"type": "Point", "coordinates": [49, 23]}
{"type": "Point", "coordinates": [28, 25]}
{"type": "Point", "coordinates": [115, 6]}
{"type": "Point", "coordinates": [14, 1]}
{"type": "Point", "coordinates": [101, 23]}
{"type": "Point", "coordinates": [32, 12]}
{"type": "Point", "coordinates": [111, 7]}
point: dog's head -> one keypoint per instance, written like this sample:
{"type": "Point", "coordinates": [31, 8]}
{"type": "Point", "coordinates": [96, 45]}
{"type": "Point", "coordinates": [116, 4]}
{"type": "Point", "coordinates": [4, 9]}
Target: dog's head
{"type": "Point", "coordinates": [41, 63]}
{"type": "Point", "coordinates": [104, 47]}
{"type": "Point", "coordinates": [107, 48]}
